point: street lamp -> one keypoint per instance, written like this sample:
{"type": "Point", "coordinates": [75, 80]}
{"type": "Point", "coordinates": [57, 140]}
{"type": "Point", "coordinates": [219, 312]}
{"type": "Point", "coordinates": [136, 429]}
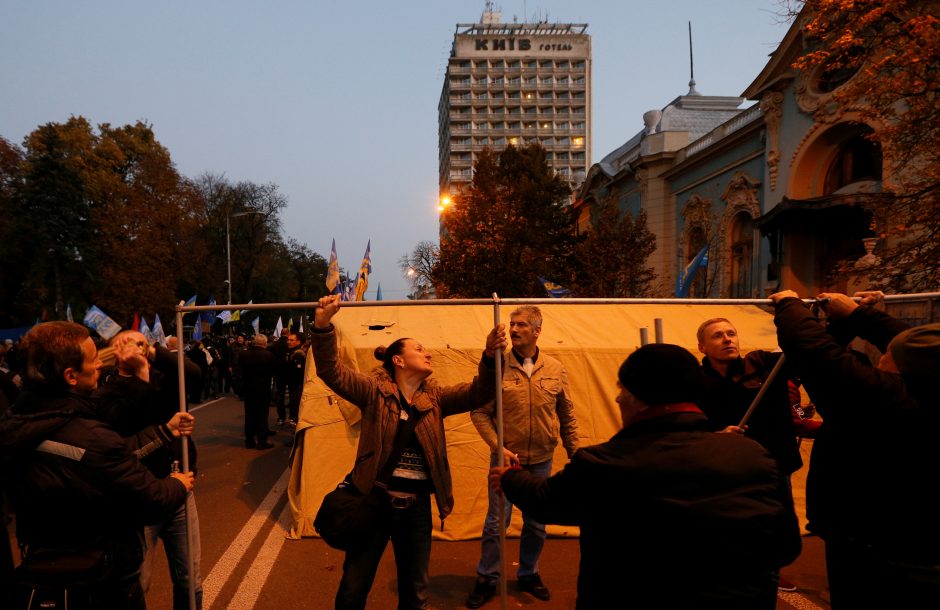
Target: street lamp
{"type": "Point", "coordinates": [228, 248]}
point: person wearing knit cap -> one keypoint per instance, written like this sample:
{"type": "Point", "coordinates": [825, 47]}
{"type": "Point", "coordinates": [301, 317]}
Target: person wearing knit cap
{"type": "Point", "coordinates": [871, 488]}
{"type": "Point", "coordinates": [671, 514]}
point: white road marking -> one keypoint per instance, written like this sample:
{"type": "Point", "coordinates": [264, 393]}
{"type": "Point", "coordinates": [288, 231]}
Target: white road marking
{"type": "Point", "coordinates": [250, 588]}
{"type": "Point", "coordinates": [206, 404]}
{"type": "Point", "coordinates": [223, 569]}
{"type": "Point", "coordinates": [798, 601]}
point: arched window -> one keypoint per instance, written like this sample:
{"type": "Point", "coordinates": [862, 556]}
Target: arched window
{"type": "Point", "coordinates": [742, 250]}
{"type": "Point", "coordinates": [858, 160]}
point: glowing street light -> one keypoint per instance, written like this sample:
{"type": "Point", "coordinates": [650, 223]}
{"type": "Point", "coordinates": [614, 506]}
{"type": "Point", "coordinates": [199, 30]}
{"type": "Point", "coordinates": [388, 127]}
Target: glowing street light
{"type": "Point", "coordinates": [444, 203]}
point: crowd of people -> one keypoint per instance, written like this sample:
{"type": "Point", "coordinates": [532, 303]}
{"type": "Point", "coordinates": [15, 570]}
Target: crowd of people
{"type": "Point", "coordinates": [689, 505]}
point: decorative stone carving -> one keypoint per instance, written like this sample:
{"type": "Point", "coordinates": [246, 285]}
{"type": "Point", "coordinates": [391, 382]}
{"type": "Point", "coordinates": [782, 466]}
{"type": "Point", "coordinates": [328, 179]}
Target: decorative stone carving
{"type": "Point", "coordinates": [740, 196]}
{"type": "Point", "coordinates": [771, 103]}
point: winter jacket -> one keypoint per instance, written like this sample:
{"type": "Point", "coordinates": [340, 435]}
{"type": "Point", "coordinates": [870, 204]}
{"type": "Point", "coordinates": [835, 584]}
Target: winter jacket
{"type": "Point", "coordinates": [536, 410]}
{"type": "Point", "coordinates": [378, 397]}
{"type": "Point", "coordinates": [727, 399]}
{"type": "Point", "coordinates": [74, 482]}
{"type": "Point", "coordinates": [258, 366]}
{"type": "Point", "coordinates": [875, 459]}
{"type": "Point", "coordinates": [671, 516]}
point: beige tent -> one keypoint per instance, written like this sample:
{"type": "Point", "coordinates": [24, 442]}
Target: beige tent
{"type": "Point", "coordinates": [590, 339]}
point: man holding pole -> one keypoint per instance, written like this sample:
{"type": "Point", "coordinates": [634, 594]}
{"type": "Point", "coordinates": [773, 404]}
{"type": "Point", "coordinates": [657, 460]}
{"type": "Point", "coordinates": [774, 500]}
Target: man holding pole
{"type": "Point", "coordinates": [732, 382]}
{"type": "Point", "coordinates": [536, 405]}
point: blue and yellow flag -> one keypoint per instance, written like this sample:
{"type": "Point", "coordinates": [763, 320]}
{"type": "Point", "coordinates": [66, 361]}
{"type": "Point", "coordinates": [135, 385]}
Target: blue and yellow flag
{"type": "Point", "coordinates": [362, 283]}
{"type": "Point", "coordinates": [191, 301]}
{"type": "Point", "coordinates": [554, 290]}
{"type": "Point", "coordinates": [332, 274]}
{"type": "Point", "coordinates": [684, 281]}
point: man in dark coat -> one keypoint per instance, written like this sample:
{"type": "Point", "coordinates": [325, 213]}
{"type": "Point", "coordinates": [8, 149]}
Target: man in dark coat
{"type": "Point", "coordinates": [731, 384]}
{"type": "Point", "coordinates": [76, 487]}
{"type": "Point", "coordinates": [257, 366]}
{"type": "Point", "coordinates": [671, 515]}
{"type": "Point", "coordinates": [871, 491]}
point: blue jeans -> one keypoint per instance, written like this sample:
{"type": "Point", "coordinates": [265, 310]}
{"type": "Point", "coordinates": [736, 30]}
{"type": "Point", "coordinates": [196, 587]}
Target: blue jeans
{"type": "Point", "coordinates": [172, 531]}
{"type": "Point", "coordinates": [410, 532]}
{"type": "Point", "coordinates": [531, 541]}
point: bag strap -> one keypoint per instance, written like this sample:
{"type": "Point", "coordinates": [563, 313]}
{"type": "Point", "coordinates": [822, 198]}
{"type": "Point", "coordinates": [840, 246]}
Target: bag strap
{"type": "Point", "coordinates": [403, 436]}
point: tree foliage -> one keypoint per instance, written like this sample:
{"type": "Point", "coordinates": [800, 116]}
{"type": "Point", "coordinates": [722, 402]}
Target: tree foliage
{"type": "Point", "coordinates": [511, 226]}
{"type": "Point", "coordinates": [883, 59]}
{"type": "Point", "coordinates": [611, 261]}
{"type": "Point", "coordinates": [102, 216]}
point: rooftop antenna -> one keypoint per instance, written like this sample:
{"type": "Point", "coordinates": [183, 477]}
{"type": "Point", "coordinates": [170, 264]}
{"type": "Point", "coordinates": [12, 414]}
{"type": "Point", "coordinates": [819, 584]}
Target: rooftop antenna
{"type": "Point", "coordinates": [692, 90]}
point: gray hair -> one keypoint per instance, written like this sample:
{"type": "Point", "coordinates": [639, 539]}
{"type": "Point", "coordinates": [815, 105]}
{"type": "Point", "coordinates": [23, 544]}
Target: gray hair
{"type": "Point", "coordinates": [533, 313]}
{"type": "Point", "coordinates": [261, 340]}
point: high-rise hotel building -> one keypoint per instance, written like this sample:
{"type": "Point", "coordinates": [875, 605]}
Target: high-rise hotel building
{"type": "Point", "coordinates": [516, 83]}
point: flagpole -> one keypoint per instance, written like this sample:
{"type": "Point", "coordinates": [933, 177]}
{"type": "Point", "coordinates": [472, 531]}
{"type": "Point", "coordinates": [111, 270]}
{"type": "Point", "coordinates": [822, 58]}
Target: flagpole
{"type": "Point", "coordinates": [181, 376]}
{"type": "Point", "coordinates": [500, 461]}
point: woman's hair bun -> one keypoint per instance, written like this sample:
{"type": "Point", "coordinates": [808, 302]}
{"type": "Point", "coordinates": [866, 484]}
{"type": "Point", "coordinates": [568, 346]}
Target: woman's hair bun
{"type": "Point", "coordinates": [380, 353]}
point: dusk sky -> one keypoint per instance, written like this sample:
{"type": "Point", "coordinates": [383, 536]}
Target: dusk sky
{"type": "Point", "coordinates": [336, 103]}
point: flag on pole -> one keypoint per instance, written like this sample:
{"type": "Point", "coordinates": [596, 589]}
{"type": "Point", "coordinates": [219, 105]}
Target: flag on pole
{"type": "Point", "coordinates": [244, 311]}
{"type": "Point", "coordinates": [99, 321]}
{"type": "Point", "coordinates": [225, 316]}
{"type": "Point", "coordinates": [135, 325]}
{"type": "Point", "coordinates": [191, 301]}
{"type": "Point", "coordinates": [362, 282]}
{"type": "Point", "coordinates": [300, 328]}
{"type": "Point", "coordinates": [255, 324]}
{"type": "Point", "coordinates": [684, 281]}
{"type": "Point", "coordinates": [554, 290]}
{"type": "Point", "coordinates": [290, 324]}
{"type": "Point", "coordinates": [197, 329]}
{"type": "Point", "coordinates": [210, 315]}
{"type": "Point", "coordinates": [158, 335]}
{"type": "Point", "coordinates": [332, 274]}
{"type": "Point", "coordinates": [378, 293]}
{"type": "Point", "coordinates": [278, 328]}
{"type": "Point", "coordinates": [235, 316]}
{"type": "Point", "coordinates": [68, 313]}
{"type": "Point", "coordinates": [145, 330]}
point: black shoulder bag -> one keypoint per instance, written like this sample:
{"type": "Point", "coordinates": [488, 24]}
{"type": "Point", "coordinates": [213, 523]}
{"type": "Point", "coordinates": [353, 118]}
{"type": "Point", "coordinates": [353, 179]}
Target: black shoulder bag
{"type": "Point", "coordinates": [347, 518]}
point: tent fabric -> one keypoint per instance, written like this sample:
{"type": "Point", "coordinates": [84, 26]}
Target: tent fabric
{"type": "Point", "coordinates": [591, 341]}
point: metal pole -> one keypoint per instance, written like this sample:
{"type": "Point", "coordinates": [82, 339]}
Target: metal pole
{"type": "Point", "coordinates": [644, 336]}
{"type": "Point", "coordinates": [500, 461]}
{"type": "Point", "coordinates": [181, 375]}
{"type": "Point", "coordinates": [763, 390]}
{"type": "Point", "coordinates": [228, 257]}
{"type": "Point", "coordinates": [659, 329]}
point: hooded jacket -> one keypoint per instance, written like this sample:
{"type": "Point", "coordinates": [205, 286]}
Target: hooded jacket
{"type": "Point", "coordinates": [378, 397]}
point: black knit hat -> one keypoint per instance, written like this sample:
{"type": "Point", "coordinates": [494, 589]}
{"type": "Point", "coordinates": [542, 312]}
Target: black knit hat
{"type": "Point", "coordinates": [661, 373]}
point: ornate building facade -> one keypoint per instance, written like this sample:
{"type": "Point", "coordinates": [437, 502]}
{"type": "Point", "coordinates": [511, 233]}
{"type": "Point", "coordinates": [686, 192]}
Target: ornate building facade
{"type": "Point", "coordinates": [778, 192]}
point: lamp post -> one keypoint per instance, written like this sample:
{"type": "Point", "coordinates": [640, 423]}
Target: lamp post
{"type": "Point", "coordinates": [228, 248]}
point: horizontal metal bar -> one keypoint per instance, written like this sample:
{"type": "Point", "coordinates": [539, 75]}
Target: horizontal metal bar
{"type": "Point", "coordinates": [922, 296]}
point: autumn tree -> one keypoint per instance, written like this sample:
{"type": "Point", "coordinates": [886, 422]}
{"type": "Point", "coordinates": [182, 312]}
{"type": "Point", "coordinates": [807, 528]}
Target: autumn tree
{"type": "Point", "coordinates": [881, 59]}
{"type": "Point", "coordinates": [511, 226]}
{"type": "Point", "coordinates": [611, 261]}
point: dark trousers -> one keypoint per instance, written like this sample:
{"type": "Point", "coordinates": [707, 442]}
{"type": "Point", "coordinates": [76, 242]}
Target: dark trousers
{"type": "Point", "coordinates": [294, 392]}
{"type": "Point", "coordinates": [410, 532]}
{"type": "Point", "coordinates": [858, 578]}
{"type": "Point", "coordinates": [256, 415]}
{"type": "Point", "coordinates": [280, 388]}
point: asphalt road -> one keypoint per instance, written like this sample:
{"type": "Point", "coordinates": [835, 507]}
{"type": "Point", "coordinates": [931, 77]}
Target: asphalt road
{"type": "Point", "coordinates": [247, 561]}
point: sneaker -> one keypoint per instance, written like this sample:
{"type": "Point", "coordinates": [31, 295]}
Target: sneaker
{"type": "Point", "coordinates": [785, 585]}
{"type": "Point", "coordinates": [533, 584]}
{"type": "Point", "coordinates": [483, 591]}
{"type": "Point", "coordinates": [291, 422]}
